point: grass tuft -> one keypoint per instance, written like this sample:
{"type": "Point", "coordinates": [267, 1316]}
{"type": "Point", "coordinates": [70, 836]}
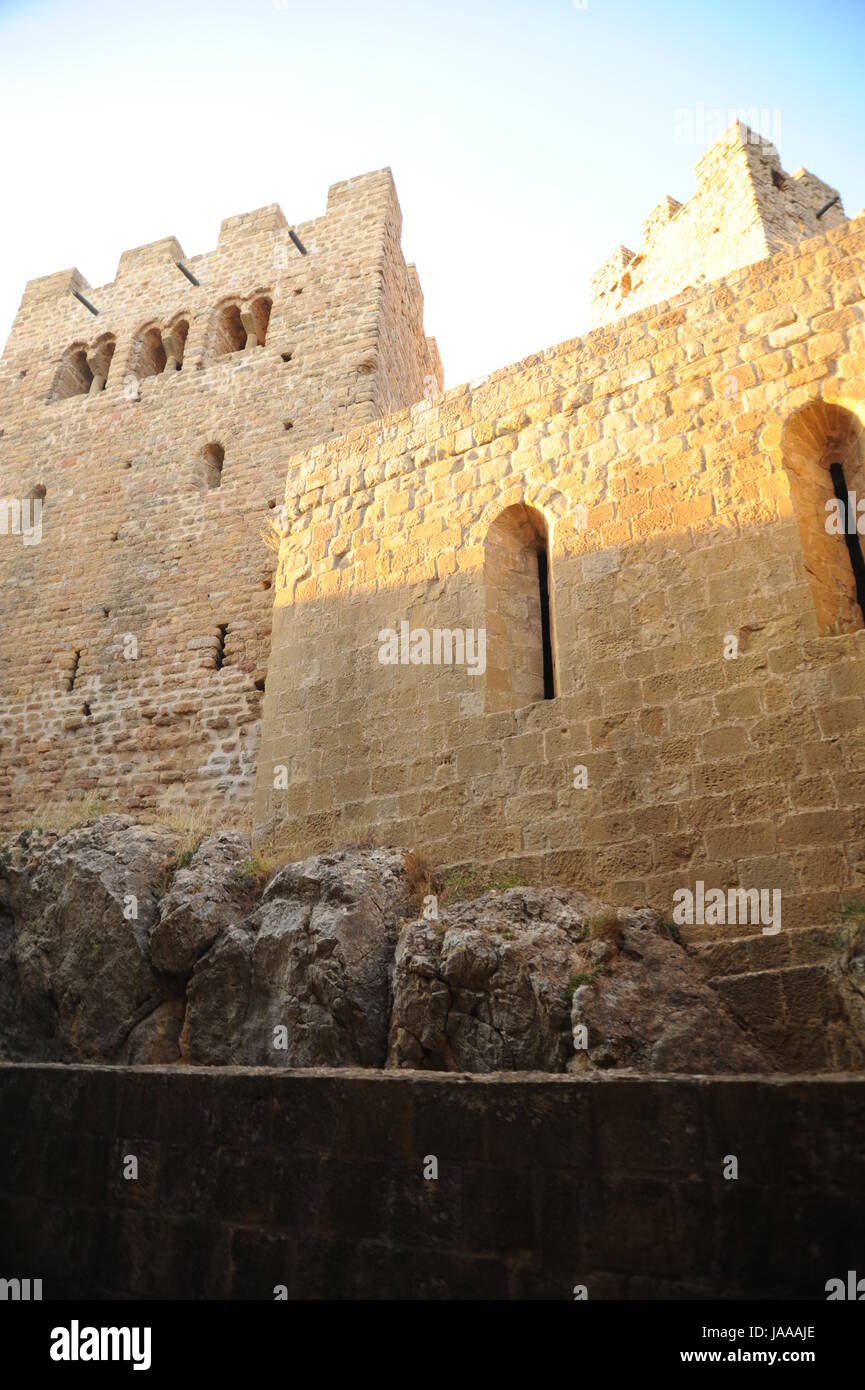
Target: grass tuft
{"type": "Point", "coordinates": [606, 927]}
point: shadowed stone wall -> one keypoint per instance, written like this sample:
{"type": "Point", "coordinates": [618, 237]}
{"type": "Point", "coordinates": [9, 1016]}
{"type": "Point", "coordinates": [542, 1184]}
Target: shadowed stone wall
{"type": "Point", "coordinates": [314, 1180]}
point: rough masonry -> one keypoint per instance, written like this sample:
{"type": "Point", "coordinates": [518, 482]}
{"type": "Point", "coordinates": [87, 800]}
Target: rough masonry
{"type": "Point", "coordinates": [134, 637]}
{"type": "Point", "coordinates": [745, 208]}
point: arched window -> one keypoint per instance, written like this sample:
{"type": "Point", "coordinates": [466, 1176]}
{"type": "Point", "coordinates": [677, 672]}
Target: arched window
{"type": "Point", "coordinates": [148, 356]}
{"type": "Point", "coordinates": [256, 320]}
{"type": "Point", "coordinates": [99, 361]}
{"type": "Point", "coordinates": [213, 457]}
{"type": "Point", "coordinates": [174, 343]}
{"type": "Point", "coordinates": [823, 449]}
{"type": "Point", "coordinates": [518, 590]}
{"type": "Point", "coordinates": [74, 377]}
{"type": "Point", "coordinates": [228, 333]}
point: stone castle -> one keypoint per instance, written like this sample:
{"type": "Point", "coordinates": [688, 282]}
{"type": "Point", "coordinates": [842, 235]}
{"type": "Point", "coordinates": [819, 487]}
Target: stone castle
{"type": "Point", "coordinates": [673, 676]}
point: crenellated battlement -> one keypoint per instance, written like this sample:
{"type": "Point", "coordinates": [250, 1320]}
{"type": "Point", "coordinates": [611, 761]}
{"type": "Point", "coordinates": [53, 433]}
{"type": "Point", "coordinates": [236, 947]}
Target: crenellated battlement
{"type": "Point", "coordinates": [745, 208]}
{"type": "Point", "coordinates": [255, 256]}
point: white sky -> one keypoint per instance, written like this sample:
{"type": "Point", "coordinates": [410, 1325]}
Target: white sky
{"type": "Point", "coordinates": [527, 138]}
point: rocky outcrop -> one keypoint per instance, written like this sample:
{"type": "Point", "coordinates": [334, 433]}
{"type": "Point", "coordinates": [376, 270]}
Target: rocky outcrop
{"type": "Point", "coordinates": [304, 981]}
{"type": "Point", "coordinates": [548, 979]}
{"type": "Point", "coordinates": [116, 947]}
{"type": "Point", "coordinates": [215, 890]}
{"type": "Point", "coordinates": [79, 909]}
{"type": "Point", "coordinates": [486, 988]}
{"type": "Point", "coordinates": [646, 1005]}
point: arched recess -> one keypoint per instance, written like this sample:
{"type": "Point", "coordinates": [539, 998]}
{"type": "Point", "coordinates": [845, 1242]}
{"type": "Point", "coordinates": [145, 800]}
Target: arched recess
{"type": "Point", "coordinates": [518, 598]}
{"type": "Point", "coordinates": [174, 342]}
{"type": "Point", "coordinates": [256, 320]}
{"type": "Point", "coordinates": [823, 452]}
{"type": "Point", "coordinates": [543, 497]}
{"type": "Point", "coordinates": [73, 376]}
{"type": "Point", "coordinates": [212, 459]}
{"type": "Point", "coordinates": [99, 360]}
{"type": "Point", "coordinates": [227, 333]}
{"type": "Point", "coordinates": [148, 354]}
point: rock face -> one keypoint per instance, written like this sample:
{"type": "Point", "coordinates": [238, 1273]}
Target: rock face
{"type": "Point", "coordinates": [848, 977]}
{"type": "Point", "coordinates": [111, 952]}
{"type": "Point", "coordinates": [548, 979]}
{"type": "Point", "coordinates": [114, 948]}
{"type": "Point", "coordinates": [313, 960]}
{"type": "Point", "coordinates": [647, 1007]}
{"type": "Point", "coordinates": [486, 988]}
{"type": "Point", "coordinates": [212, 893]}
{"type": "Point", "coordinates": [78, 912]}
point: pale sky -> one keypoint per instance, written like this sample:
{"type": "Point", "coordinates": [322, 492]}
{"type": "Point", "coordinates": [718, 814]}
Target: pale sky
{"type": "Point", "coordinates": [527, 138]}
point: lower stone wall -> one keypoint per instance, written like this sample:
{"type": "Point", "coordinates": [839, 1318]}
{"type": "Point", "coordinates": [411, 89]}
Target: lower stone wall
{"type": "Point", "coordinates": [315, 1180]}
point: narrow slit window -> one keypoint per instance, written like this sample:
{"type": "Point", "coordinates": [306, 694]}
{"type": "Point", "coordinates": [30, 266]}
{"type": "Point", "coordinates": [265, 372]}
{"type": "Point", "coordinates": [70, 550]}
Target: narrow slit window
{"type": "Point", "coordinates": [70, 683]}
{"type": "Point", "coordinates": [546, 639]}
{"type": "Point", "coordinates": [174, 344]}
{"type": "Point", "coordinates": [854, 549]}
{"type": "Point", "coordinates": [214, 458]}
{"type": "Point", "coordinates": [257, 321]}
{"type": "Point", "coordinates": [219, 656]}
{"type": "Point", "coordinates": [99, 363]}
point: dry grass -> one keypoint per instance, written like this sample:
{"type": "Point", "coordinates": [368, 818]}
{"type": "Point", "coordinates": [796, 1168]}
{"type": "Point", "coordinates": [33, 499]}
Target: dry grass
{"type": "Point", "coordinates": [60, 816]}
{"type": "Point", "coordinates": [194, 821]}
{"type": "Point", "coordinates": [283, 846]}
{"type": "Point", "coordinates": [356, 836]}
{"type": "Point", "coordinates": [422, 878]}
{"type": "Point", "coordinates": [261, 868]}
{"type": "Point", "coordinates": [453, 885]}
{"type": "Point", "coordinates": [606, 927]}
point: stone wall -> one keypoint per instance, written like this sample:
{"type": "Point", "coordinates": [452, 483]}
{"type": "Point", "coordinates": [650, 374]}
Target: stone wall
{"type": "Point", "coordinates": [745, 208]}
{"type": "Point", "coordinates": [315, 1181]}
{"type": "Point", "coordinates": [666, 458]}
{"type": "Point", "coordinates": [134, 637]}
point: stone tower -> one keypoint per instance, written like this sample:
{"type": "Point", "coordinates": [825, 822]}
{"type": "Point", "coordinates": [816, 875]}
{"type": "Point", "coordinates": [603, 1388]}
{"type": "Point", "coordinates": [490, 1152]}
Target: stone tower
{"type": "Point", "coordinates": [745, 209]}
{"type": "Point", "coordinates": [150, 441]}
